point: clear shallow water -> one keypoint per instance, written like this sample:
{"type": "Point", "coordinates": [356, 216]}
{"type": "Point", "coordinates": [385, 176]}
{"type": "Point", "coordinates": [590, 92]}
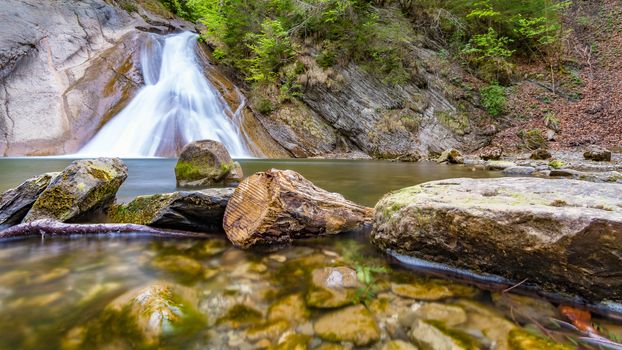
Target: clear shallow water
{"type": "Point", "coordinates": [361, 181]}
{"type": "Point", "coordinates": [72, 293]}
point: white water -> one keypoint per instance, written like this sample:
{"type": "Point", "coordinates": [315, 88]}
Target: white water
{"type": "Point", "coordinates": [177, 105]}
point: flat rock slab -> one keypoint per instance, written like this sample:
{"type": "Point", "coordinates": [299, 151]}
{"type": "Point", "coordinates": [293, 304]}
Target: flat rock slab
{"type": "Point", "coordinates": [563, 236]}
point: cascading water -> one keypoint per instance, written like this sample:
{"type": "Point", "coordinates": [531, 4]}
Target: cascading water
{"type": "Point", "coordinates": [177, 105]}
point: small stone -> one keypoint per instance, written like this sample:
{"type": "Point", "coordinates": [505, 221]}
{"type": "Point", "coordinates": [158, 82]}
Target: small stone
{"type": "Point", "coordinates": [498, 164]}
{"type": "Point", "coordinates": [278, 258]}
{"type": "Point", "coordinates": [433, 335]}
{"type": "Point", "coordinates": [179, 265]}
{"type": "Point", "coordinates": [208, 273]}
{"type": "Point", "coordinates": [293, 341]}
{"type": "Point", "coordinates": [290, 308]}
{"type": "Point", "coordinates": [332, 287]}
{"type": "Point", "coordinates": [450, 315]}
{"type": "Point", "coordinates": [597, 154]}
{"type": "Point", "coordinates": [520, 339]}
{"type": "Point", "coordinates": [432, 290]}
{"type": "Point", "coordinates": [550, 135]}
{"type": "Point", "coordinates": [330, 347]}
{"type": "Point", "coordinates": [354, 323]}
{"type": "Point", "coordinates": [452, 156]}
{"type": "Point", "coordinates": [269, 330]}
{"type": "Point", "coordinates": [525, 309]}
{"type": "Point", "coordinates": [399, 345]}
{"type": "Point", "coordinates": [519, 170]}
{"type": "Point", "coordinates": [493, 153]}
{"type": "Point", "coordinates": [540, 154]}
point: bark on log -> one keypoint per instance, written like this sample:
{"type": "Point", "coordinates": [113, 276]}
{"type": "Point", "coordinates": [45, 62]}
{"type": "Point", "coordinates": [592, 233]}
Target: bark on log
{"type": "Point", "coordinates": [48, 227]}
{"type": "Point", "coordinates": [278, 206]}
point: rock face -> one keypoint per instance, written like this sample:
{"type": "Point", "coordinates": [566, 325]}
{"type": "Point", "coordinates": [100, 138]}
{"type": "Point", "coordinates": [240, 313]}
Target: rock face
{"type": "Point", "coordinates": [194, 211]}
{"type": "Point", "coordinates": [277, 206]}
{"type": "Point", "coordinates": [15, 203]}
{"type": "Point", "coordinates": [206, 163]}
{"type": "Point", "coordinates": [80, 189]}
{"type": "Point", "coordinates": [562, 235]}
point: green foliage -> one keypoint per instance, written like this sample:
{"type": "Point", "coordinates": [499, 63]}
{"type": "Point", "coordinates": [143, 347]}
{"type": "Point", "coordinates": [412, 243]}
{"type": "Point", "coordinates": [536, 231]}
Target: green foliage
{"type": "Point", "coordinates": [551, 121]}
{"type": "Point", "coordinates": [493, 99]}
{"type": "Point", "coordinates": [366, 275]}
{"type": "Point", "coordinates": [556, 164]}
{"type": "Point", "coordinates": [270, 50]}
{"type": "Point", "coordinates": [488, 46]}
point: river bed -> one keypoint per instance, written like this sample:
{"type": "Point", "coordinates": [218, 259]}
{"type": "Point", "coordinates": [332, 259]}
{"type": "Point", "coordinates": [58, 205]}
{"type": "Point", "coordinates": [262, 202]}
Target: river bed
{"type": "Point", "coordinates": [72, 293]}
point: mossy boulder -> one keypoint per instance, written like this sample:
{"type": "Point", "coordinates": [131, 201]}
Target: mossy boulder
{"type": "Point", "coordinates": [16, 202]}
{"type": "Point", "coordinates": [186, 210]}
{"type": "Point", "coordinates": [332, 287]}
{"type": "Point", "coordinates": [533, 139]}
{"type": "Point", "coordinates": [84, 187]}
{"type": "Point", "coordinates": [352, 324]}
{"type": "Point", "coordinates": [206, 163]}
{"type": "Point", "coordinates": [564, 235]}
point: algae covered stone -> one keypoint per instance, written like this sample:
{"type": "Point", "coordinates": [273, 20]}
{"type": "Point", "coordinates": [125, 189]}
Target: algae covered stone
{"type": "Point", "coordinates": [520, 339]}
{"type": "Point", "coordinates": [564, 235]}
{"type": "Point", "coordinates": [352, 324]}
{"type": "Point", "coordinates": [82, 188]}
{"type": "Point", "coordinates": [186, 210]}
{"type": "Point", "coordinates": [15, 203]}
{"type": "Point", "coordinates": [206, 163]}
{"type": "Point", "coordinates": [399, 345]}
{"type": "Point", "coordinates": [332, 287]}
{"type": "Point", "coordinates": [430, 290]}
{"type": "Point", "coordinates": [290, 308]}
{"type": "Point", "coordinates": [435, 335]}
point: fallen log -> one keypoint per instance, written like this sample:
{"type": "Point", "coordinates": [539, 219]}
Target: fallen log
{"type": "Point", "coordinates": [48, 227]}
{"type": "Point", "coordinates": [277, 206]}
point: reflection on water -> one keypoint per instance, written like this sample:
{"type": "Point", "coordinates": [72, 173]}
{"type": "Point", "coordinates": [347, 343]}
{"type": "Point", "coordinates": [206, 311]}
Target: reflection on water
{"type": "Point", "coordinates": [361, 181]}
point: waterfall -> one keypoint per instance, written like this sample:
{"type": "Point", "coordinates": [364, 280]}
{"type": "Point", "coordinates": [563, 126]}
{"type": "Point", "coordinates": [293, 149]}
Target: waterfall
{"type": "Point", "coordinates": [177, 105]}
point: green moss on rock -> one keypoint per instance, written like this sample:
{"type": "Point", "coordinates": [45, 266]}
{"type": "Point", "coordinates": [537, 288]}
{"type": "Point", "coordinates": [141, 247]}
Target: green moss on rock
{"type": "Point", "coordinates": [520, 339]}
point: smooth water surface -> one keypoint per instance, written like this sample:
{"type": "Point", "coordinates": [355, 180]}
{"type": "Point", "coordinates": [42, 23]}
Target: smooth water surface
{"type": "Point", "coordinates": [361, 181]}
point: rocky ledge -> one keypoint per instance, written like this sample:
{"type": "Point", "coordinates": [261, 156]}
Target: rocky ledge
{"type": "Point", "coordinates": [562, 236]}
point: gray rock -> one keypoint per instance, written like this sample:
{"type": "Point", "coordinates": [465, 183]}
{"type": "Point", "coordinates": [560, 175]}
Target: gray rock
{"type": "Point", "coordinates": [15, 203]}
{"type": "Point", "coordinates": [519, 170]}
{"type": "Point", "coordinates": [563, 235]}
{"type": "Point", "coordinates": [564, 173]}
{"type": "Point", "coordinates": [597, 154]}
{"type": "Point", "coordinates": [499, 164]}
{"type": "Point", "coordinates": [194, 210]}
{"type": "Point", "coordinates": [206, 163]}
{"type": "Point", "coordinates": [80, 189]}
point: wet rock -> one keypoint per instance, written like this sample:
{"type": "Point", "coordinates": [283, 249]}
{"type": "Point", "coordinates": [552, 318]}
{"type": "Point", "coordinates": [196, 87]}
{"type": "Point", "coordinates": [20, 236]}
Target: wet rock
{"type": "Point", "coordinates": [597, 154]}
{"type": "Point", "coordinates": [241, 314]}
{"type": "Point", "coordinates": [519, 170]}
{"type": "Point", "coordinates": [523, 309]}
{"type": "Point", "coordinates": [432, 290]}
{"type": "Point", "coordinates": [84, 187]}
{"type": "Point", "coordinates": [604, 176]}
{"type": "Point", "coordinates": [564, 172]}
{"type": "Point", "coordinates": [331, 347]}
{"type": "Point", "coordinates": [354, 324]}
{"type": "Point", "coordinates": [157, 310]}
{"type": "Point", "coordinates": [484, 320]}
{"type": "Point", "coordinates": [498, 164]}
{"type": "Point", "coordinates": [399, 345]}
{"type": "Point", "coordinates": [452, 156]}
{"type": "Point", "coordinates": [533, 139]}
{"type": "Point", "coordinates": [563, 235]}
{"type": "Point", "coordinates": [194, 211]}
{"type": "Point", "coordinates": [206, 163]}
{"type": "Point", "coordinates": [450, 315]}
{"type": "Point", "coordinates": [293, 341]}
{"type": "Point", "coordinates": [290, 308]}
{"type": "Point", "coordinates": [520, 339]}
{"type": "Point", "coordinates": [434, 335]}
{"type": "Point", "coordinates": [332, 287]}
{"type": "Point", "coordinates": [180, 265]}
{"type": "Point", "coordinates": [540, 154]}
{"type": "Point", "coordinates": [52, 275]}
{"type": "Point", "coordinates": [267, 330]}
{"type": "Point", "coordinates": [15, 203]}
{"type": "Point", "coordinates": [277, 206]}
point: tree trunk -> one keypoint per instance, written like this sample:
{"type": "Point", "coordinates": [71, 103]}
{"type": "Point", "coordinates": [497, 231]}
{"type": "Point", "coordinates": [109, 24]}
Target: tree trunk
{"type": "Point", "coordinates": [278, 206]}
{"type": "Point", "coordinates": [48, 227]}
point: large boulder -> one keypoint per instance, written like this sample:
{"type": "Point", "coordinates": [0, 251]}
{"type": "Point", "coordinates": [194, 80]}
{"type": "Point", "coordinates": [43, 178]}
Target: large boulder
{"type": "Point", "coordinates": [206, 163]}
{"type": "Point", "coordinates": [597, 154]}
{"type": "Point", "coordinates": [277, 206]}
{"type": "Point", "coordinates": [16, 202]}
{"type": "Point", "coordinates": [562, 235]}
{"type": "Point", "coordinates": [82, 188]}
{"type": "Point", "coordinates": [193, 210]}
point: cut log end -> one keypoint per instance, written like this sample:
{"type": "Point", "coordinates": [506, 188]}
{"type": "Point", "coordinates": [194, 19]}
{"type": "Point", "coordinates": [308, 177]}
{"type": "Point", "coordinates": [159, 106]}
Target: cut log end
{"type": "Point", "coordinates": [277, 206]}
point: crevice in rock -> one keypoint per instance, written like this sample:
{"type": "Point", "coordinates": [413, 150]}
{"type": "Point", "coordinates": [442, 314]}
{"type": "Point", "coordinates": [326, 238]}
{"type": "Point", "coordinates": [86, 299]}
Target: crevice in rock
{"type": "Point", "coordinates": [6, 110]}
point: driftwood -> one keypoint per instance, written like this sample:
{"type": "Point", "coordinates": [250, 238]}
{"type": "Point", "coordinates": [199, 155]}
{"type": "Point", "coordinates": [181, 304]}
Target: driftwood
{"type": "Point", "coordinates": [278, 206]}
{"type": "Point", "coordinates": [52, 228]}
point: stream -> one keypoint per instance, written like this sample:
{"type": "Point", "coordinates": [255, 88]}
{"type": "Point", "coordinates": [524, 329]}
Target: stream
{"type": "Point", "coordinates": [72, 293]}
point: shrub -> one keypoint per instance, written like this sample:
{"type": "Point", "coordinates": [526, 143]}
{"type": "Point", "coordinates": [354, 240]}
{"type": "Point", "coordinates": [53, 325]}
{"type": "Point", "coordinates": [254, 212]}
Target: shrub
{"type": "Point", "coordinates": [493, 99]}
